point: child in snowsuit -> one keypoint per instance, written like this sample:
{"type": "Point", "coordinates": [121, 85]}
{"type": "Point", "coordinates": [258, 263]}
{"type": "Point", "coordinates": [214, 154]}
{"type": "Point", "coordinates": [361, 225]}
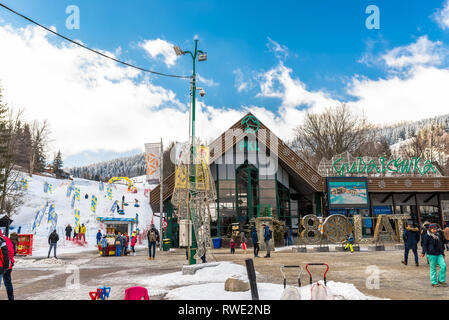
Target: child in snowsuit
{"type": "Point", "coordinates": [133, 242]}
{"type": "Point", "coordinates": [350, 243]}
{"type": "Point", "coordinates": [232, 246]}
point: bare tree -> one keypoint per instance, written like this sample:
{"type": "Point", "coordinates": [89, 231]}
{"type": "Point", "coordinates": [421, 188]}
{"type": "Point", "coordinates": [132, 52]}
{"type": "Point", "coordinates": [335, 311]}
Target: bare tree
{"type": "Point", "coordinates": [332, 132]}
{"type": "Point", "coordinates": [40, 132]}
{"type": "Point", "coordinates": [10, 195]}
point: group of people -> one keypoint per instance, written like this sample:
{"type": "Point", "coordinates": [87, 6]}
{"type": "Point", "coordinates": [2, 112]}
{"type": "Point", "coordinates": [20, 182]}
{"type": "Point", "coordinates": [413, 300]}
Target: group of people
{"type": "Point", "coordinates": [267, 236]}
{"type": "Point", "coordinates": [122, 242]}
{"type": "Point", "coordinates": [433, 242]}
{"type": "Point", "coordinates": [8, 250]}
{"type": "Point", "coordinates": [79, 233]}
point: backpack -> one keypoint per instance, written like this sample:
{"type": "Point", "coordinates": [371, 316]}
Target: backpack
{"type": "Point", "coordinates": [271, 234]}
{"type": "Point", "coordinates": [117, 242]}
{"type": "Point", "coordinates": [152, 236]}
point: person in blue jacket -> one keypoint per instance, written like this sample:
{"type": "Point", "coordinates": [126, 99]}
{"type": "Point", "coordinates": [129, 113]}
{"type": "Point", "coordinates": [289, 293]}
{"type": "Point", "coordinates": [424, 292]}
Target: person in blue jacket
{"type": "Point", "coordinates": [350, 242]}
{"type": "Point", "coordinates": [267, 238]}
{"type": "Point", "coordinates": [99, 235]}
{"type": "Point", "coordinates": [255, 239]}
{"type": "Point", "coordinates": [433, 247]}
{"type": "Point", "coordinates": [411, 238]}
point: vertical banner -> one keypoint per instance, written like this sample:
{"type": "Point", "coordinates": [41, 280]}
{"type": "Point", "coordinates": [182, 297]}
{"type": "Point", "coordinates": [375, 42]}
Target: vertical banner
{"type": "Point", "coordinates": [93, 204]}
{"type": "Point", "coordinates": [101, 186]}
{"type": "Point", "coordinates": [152, 162]}
{"type": "Point", "coordinates": [51, 212]}
{"type": "Point", "coordinates": [45, 187]}
{"type": "Point", "coordinates": [24, 184]}
{"type": "Point", "coordinates": [35, 223]}
{"type": "Point", "coordinates": [109, 191]}
{"type": "Point", "coordinates": [50, 188]}
{"type": "Point", "coordinates": [77, 217]}
{"type": "Point", "coordinates": [114, 206]}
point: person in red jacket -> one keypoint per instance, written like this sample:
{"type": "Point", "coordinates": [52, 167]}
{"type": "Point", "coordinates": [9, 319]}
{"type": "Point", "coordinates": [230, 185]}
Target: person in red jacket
{"type": "Point", "coordinates": [7, 273]}
{"type": "Point", "coordinates": [133, 242]}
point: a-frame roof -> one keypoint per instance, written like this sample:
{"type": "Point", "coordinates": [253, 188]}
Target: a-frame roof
{"type": "Point", "coordinates": [291, 161]}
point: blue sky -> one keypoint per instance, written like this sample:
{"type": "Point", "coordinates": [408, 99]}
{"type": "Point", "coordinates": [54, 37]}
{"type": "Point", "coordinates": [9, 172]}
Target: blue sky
{"type": "Point", "coordinates": [277, 59]}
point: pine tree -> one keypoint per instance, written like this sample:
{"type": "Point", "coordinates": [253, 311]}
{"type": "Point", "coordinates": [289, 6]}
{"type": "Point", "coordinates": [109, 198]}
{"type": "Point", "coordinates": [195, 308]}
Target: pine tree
{"type": "Point", "coordinates": [57, 165]}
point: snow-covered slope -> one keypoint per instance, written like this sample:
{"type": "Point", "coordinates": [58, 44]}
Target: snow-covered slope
{"type": "Point", "coordinates": [36, 198]}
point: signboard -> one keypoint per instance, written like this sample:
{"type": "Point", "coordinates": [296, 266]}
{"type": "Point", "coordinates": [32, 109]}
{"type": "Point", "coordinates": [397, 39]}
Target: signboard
{"type": "Point", "coordinates": [382, 210]}
{"type": "Point", "coordinates": [347, 193]}
{"type": "Point", "coordinates": [152, 161]}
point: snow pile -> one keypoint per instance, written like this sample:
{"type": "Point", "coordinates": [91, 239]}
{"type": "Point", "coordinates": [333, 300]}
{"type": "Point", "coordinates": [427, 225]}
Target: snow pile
{"type": "Point", "coordinates": [219, 273]}
{"type": "Point", "coordinates": [267, 291]}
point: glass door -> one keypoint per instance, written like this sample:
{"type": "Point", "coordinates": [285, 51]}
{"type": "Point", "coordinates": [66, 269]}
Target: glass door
{"type": "Point", "coordinates": [247, 192]}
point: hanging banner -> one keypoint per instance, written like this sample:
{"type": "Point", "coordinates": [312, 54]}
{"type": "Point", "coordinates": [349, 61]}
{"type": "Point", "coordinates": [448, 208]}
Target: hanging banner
{"type": "Point", "coordinates": [93, 204]}
{"type": "Point", "coordinates": [50, 188]}
{"type": "Point", "coordinates": [45, 187]}
{"type": "Point", "coordinates": [101, 186]}
{"type": "Point", "coordinates": [152, 161]}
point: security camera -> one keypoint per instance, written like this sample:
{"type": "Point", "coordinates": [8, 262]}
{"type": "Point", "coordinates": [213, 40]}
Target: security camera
{"type": "Point", "coordinates": [202, 92]}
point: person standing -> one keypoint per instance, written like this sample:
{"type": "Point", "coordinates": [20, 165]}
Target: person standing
{"type": "Point", "coordinates": [68, 232]}
{"type": "Point", "coordinates": [433, 248]}
{"type": "Point", "coordinates": [255, 239]}
{"type": "Point", "coordinates": [424, 229]}
{"type": "Point", "coordinates": [243, 241]}
{"type": "Point", "coordinates": [99, 235]}
{"type": "Point", "coordinates": [411, 238]}
{"type": "Point", "coordinates": [133, 242]}
{"type": "Point", "coordinates": [118, 244]}
{"type": "Point", "coordinates": [52, 241]}
{"type": "Point", "coordinates": [446, 234]}
{"type": "Point", "coordinates": [6, 264]}
{"type": "Point", "coordinates": [125, 243]}
{"type": "Point", "coordinates": [232, 246]}
{"type": "Point", "coordinates": [267, 237]}
{"type": "Point", "coordinates": [75, 233]}
{"type": "Point", "coordinates": [83, 233]}
{"type": "Point", "coordinates": [153, 238]}
{"type": "Point", "coordinates": [14, 237]}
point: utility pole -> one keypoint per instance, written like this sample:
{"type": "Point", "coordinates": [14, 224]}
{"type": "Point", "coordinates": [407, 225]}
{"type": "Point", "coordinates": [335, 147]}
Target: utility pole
{"type": "Point", "coordinates": [202, 56]}
{"type": "Point", "coordinates": [161, 199]}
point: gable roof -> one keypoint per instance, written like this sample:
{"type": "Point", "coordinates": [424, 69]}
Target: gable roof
{"type": "Point", "coordinates": [293, 163]}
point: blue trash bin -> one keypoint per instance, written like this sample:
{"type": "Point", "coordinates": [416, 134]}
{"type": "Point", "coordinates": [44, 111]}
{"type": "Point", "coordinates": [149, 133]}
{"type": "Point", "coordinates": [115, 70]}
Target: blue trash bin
{"type": "Point", "coordinates": [217, 243]}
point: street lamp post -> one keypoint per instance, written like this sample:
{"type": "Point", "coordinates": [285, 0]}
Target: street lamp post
{"type": "Point", "coordinates": [202, 56]}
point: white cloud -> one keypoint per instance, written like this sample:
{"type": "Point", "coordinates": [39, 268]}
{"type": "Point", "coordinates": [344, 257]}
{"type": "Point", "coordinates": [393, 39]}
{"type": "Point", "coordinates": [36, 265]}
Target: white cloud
{"type": "Point", "coordinates": [206, 82]}
{"type": "Point", "coordinates": [278, 83]}
{"type": "Point", "coordinates": [162, 48]}
{"type": "Point", "coordinates": [422, 52]}
{"type": "Point", "coordinates": [95, 104]}
{"type": "Point", "coordinates": [442, 16]}
{"type": "Point", "coordinates": [280, 51]}
{"type": "Point", "coordinates": [240, 83]}
{"type": "Point", "coordinates": [422, 94]}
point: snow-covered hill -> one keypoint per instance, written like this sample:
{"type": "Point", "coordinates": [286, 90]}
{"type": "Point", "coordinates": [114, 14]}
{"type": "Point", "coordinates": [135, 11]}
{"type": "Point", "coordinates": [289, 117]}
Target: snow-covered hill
{"type": "Point", "coordinates": [35, 199]}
